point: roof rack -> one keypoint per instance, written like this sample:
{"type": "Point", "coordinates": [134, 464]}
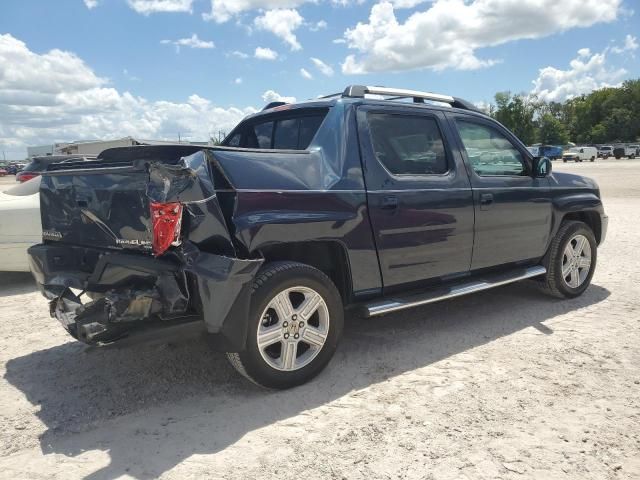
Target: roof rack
{"type": "Point", "coordinates": [359, 91]}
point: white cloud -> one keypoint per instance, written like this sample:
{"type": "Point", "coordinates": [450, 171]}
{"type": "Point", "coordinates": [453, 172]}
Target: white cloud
{"type": "Point", "coordinates": [54, 96]}
{"type": "Point", "coordinates": [271, 96]}
{"type": "Point", "coordinates": [147, 7]}
{"type": "Point", "coordinates": [306, 74]}
{"type": "Point", "coordinates": [91, 3]}
{"type": "Point", "coordinates": [263, 53]}
{"type": "Point", "coordinates": [282, 23]}
{"type": "Point", "coordinates": [448, 33]}
{"type": "Point", "coordinates": [130, 76]}
{"type": "Point", "coordinates": [630, 45]}
{"type": "Point", "coordinates": [238, 81]}
{"type": "Point", "coordinates": [223, 10]}
{"type": "Point", "coordinates": [320, 25]}
{"type": "Point", "coordinates": [586, 73]}
{"type": "Point", "coordinates": [238, 54]}
{"type": "Point", "coordinates": [323, 67]}
{"type": "Point", "coordinates": [191, 42]}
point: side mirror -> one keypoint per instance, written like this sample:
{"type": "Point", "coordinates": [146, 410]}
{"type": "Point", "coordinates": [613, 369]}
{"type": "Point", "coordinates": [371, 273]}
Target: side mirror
{"type": "Point", "coordinates": [541, 167]}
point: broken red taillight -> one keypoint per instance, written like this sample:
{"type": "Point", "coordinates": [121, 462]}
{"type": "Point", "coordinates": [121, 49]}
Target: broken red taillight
{"type": "Point", "coordinates": [166, 219]}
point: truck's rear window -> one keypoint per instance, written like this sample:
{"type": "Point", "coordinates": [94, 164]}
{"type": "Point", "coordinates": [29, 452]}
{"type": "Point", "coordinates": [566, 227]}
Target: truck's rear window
{"type": "Point", "coordinates": [286, 131]}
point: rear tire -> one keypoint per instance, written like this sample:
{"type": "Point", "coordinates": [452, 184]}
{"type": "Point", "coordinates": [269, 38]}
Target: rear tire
{"type": "Point", "coordinates": [295, 323]}
{"type": "Point", "coordinates": [570, 261]}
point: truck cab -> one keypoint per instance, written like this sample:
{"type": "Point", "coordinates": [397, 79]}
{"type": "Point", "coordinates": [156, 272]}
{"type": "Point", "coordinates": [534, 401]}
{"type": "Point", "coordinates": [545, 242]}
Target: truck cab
{"type": "Point", "coordinates": [373, 200]}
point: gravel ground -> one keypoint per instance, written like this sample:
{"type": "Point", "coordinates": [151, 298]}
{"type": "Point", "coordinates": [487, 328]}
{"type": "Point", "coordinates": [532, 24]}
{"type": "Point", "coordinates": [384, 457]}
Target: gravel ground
{"type": "Point", "coordinates": [502, 384]}
{"type": "Point", "coordinates": [7, 182]}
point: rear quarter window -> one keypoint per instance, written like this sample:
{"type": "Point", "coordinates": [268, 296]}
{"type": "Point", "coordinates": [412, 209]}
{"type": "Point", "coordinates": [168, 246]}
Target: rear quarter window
{"type": "Point", "coordinates": [284, 131]}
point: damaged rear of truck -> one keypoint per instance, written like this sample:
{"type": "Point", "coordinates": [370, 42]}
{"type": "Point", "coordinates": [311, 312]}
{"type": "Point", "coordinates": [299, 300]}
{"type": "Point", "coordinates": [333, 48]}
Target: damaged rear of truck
{"type": "Point", "coordinates": [157, 240]}
{"type": "Point", "coordinates": [138, 240]}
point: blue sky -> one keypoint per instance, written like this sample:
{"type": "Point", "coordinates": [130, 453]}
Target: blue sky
{"type": "Point", "coordinates": [133, 78]}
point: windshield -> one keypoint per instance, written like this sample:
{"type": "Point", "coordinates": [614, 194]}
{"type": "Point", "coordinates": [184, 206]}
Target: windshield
{"type": "Point", "coordinates": [27, 188]}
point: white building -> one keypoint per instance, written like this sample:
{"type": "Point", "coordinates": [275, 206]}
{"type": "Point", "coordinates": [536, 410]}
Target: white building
{"type": "Point", "coordinates": [40, 150]}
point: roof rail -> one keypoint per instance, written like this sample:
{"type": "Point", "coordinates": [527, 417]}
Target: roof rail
{"type": "Point", "coordinates": [359, 91]}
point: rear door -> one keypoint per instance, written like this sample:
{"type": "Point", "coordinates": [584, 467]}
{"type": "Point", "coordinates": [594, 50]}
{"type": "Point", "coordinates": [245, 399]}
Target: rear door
{"type": "Point", "coordinates": [420, 200]}
{"type": "Point", "coordinates": [513, 211]}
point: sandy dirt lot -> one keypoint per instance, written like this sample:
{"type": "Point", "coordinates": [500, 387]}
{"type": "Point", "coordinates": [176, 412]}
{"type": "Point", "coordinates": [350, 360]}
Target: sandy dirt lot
{"type": "Point", "coordinates": [499, 385]}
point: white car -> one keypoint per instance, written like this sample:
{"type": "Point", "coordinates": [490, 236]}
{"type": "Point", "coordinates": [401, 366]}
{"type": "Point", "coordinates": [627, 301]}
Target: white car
{"type": "Point", "coordinates": [605, 151]}
{"type": "Point", "coordinates": [19, 225]}
{"type": "Point", "coordinates": [578, 154]}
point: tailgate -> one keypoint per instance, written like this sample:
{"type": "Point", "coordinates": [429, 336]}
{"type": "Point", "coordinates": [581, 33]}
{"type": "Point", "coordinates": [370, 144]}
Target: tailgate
{"type": "Point", "coordinates": [106, 203]}
{"type": "Point", "coordinates": [98, 207]}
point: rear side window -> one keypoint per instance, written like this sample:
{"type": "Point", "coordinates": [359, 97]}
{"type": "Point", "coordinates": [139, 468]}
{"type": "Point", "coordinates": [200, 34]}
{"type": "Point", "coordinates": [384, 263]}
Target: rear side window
{"type": "Point", "coordinates": [235, 140]}
{"type": "Point", "coordinates": [286, 132]}
{"type": "Point", "coordinates": [260, 135]}
{"type": "Point", "coordinates": [286, 136]}
{"type": "Point", "coordinates": [407, 144]}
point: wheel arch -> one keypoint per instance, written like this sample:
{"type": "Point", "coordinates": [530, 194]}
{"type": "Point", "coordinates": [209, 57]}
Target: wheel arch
{"type": "Point", "coordinates": [328, 256]}
{"type": "Point", "coordinates": [589, 217]}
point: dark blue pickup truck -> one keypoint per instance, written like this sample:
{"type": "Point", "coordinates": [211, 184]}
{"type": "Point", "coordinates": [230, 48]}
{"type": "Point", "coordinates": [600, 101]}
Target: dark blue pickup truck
{"type": "Point", "coordinates": [375, 199]}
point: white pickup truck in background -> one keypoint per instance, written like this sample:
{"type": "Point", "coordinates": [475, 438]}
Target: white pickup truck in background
{"type": "Point", "coordinates": [629, 151]}
{"type": "Point", "coordinates": [578, 154]}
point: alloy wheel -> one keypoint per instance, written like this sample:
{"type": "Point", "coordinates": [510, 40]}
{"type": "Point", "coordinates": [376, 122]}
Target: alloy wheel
{"type": "Point", "coordinates": [293, 328]}
{"type": "Point", "coordinates": [576, 261]}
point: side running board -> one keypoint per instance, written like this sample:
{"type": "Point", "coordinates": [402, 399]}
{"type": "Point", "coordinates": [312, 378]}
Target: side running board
{"type": "Point", "coordinates": [485, 282]}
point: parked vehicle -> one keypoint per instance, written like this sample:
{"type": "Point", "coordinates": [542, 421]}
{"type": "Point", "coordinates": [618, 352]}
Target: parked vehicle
{"type": "Point", "coordinates": [19, 225]}
{"type": "Point", "coordinates": [3, 172]}
{"type": "Point", "coordinates": [578, 154]}
{"type": "Point", "coordinates": [636, 148]}
{"type": "Point", "coordinates": [549, 151]}
{"type": "Point", "coordinates": [345, 201]}
{"type": "Point", "coordinates": [624, 151]}
{"type": "Point", "coordinates": [39, 164]}
{"type": "Point", "coordinates": [605, 151]}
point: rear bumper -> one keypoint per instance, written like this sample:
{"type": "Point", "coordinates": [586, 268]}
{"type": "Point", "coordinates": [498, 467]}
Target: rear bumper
{"type": "Point", "coordinates": [103, 296]}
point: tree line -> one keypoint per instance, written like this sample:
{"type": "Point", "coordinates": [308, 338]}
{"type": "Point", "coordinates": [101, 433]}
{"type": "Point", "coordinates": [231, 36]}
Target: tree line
{"type": "Point", "coordinates": [608, 115]}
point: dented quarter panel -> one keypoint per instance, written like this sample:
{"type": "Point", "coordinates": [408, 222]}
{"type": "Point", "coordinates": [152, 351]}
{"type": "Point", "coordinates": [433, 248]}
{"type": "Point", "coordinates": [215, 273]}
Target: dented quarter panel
{"type": "Point", "coordinates": [190, 182]}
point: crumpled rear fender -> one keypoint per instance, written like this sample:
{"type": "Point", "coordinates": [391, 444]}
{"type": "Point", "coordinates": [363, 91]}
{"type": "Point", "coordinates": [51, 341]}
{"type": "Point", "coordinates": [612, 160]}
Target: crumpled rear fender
{"type": "Point", "coordinates": [190, 182]}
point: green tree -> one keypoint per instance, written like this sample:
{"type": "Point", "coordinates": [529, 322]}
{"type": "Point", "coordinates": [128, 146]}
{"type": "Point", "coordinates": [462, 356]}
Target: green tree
{"type": "Point", "coordinates": [517, 113]}
{"type": "Point", "coordinates": [551, 131]}
{"type": "Point", "coordinates": [599, 134]}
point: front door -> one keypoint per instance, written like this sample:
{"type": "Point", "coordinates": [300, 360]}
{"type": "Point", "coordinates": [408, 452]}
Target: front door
{"type": "Point", "coordinates": [512, 208]}
{"type": "Point", "coordinates": [420, 200]}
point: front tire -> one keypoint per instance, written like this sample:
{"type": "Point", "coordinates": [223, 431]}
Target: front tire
{"type": "Point", "coordinates": [295, 322]}
{"type": "Point", "coordinates": [570, 261]}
